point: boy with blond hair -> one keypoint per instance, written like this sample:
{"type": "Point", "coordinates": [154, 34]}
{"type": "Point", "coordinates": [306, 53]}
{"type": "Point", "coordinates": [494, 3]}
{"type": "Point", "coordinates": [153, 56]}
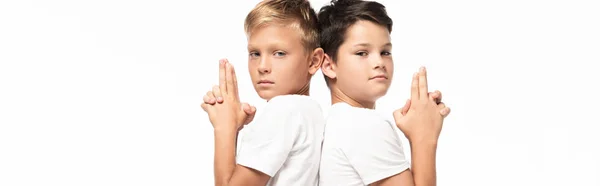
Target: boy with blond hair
{"type": "Point", "coordinates": [283, 145]}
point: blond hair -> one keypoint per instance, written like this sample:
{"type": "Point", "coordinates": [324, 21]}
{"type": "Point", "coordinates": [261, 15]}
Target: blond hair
{"type": "Point", "coordinates": [297, 14]}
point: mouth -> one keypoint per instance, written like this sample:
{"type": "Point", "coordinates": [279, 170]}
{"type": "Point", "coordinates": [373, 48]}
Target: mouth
{"type": "Point", "coordinates": [265, 82]}
{"type": "Point", "coordinates": [379, 77]}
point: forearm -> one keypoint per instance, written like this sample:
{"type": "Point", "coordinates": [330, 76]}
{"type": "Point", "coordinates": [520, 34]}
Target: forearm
{"type": "Point", "coordinates": [224, 165]}
{"type": "Point", "coordinates": [423, 163]}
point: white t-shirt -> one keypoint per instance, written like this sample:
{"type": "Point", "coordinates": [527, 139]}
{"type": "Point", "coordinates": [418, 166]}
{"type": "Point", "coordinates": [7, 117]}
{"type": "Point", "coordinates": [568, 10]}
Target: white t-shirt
{"type": "Point", "coordinates": [284, 142]}
{"type": "Point", "coordinates": [360, 147]}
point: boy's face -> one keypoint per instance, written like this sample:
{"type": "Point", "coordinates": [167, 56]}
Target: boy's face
{"type": "Point", "coordinates": [364, 66]}
{"type": "Point", "coordinates": [278, 62]}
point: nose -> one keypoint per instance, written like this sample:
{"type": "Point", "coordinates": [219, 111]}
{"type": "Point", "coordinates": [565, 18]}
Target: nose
{"type": "Point", "coordinates": [264, 65]}
{"type": "Point", "coordinates": [378, 62]}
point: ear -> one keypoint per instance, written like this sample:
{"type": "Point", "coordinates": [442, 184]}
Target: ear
{"type": "Point", "coordinates": [316, 60]}
{"type": "Point", "coordinates": [328, 67]}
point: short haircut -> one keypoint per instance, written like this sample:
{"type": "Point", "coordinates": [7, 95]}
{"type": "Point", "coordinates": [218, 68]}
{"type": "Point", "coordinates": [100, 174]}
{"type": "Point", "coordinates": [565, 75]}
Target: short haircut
{"type": "Point", "coordinates": [336, 18]}
{"type": "Point", "coordinates": [297, 14]}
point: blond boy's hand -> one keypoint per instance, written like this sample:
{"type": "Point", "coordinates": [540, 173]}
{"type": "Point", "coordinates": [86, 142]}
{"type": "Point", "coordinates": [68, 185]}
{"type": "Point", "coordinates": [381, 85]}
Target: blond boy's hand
{"type": "Point", "coordinates": [211, 99]}
{"type": "Point", "coordinates": [229, 115]}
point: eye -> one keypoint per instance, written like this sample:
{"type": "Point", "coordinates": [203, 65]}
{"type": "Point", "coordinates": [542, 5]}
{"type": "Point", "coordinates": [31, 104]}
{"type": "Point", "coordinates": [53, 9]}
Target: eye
{"type": "Point", "coordinates": [254, 54]}
{"type": "Point", "coordinates": [386, 53]}
{"type": "Point", "coordinates": [361, 53]}
{"type": "Point", "coordinates": [279, 53]}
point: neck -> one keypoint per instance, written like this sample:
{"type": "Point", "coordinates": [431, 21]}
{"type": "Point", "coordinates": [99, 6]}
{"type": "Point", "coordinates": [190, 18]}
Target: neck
{"type": "Point", "coordinates": [305, 90]}
{"type": "Point", "coordinates": [339, 96]}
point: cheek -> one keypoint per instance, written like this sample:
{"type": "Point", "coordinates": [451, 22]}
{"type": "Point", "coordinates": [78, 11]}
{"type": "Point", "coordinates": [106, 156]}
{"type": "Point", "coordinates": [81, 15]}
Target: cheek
{"type": "Point", "coordinates": [251, 65]}
{"type": "Point", "coordinates": [364, 70]}
{"type": "Point", "coordinates": [252, 70]}
{"type": "Point", "coordinates": [354, 75]}
{"type": "Point", "coordinates": [293, 66]}
{"type": "Point", "coordinates": [283, 70]}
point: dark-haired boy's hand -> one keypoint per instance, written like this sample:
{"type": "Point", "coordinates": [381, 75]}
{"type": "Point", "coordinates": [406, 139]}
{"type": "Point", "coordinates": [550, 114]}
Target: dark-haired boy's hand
{"type": "Point", "coordinates": [435, 95]}
{"type": "Point", "coordinates": [422, 121]}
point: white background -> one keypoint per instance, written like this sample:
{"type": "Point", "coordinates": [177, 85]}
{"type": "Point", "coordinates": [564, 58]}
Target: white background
{"type": "Point", "coordinates": [108, 92]}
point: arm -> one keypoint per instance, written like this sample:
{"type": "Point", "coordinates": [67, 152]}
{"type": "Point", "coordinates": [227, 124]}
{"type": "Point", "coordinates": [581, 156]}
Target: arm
{"type": "Point", "coordinates": [423, 168]}
{"type": "Point", "coordinates": [264, 148]}
{"type": "Point", "coordinates": [267, 144]}
{"type": "Point", "coordinates": [422, 125]}
{"type": "Point", "coordinates": [423, 163]}
{"type": "Point", "coordinates": [225, 166]}
{"type": "Point", "coordinates": [224, 155]}
{"type": "Point", "coordinates": [227, 118]}
{"type": "Point", "coordinates": [227, 173]}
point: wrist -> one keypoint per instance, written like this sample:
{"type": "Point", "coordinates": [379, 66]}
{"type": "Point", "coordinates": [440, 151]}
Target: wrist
{"type": "Point", "coordinates": [225, 129]}
{"type": "Point", "coordinates": [225, 135]}
{"type": "Point", "coordinates": [426, 142]}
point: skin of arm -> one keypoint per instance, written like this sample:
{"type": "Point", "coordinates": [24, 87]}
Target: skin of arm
{"type": "Point", "coordinates": [227, 172]}
{"type": "Point", "coordinates": [227, 118]}
{"type": "Point", "coordinates": [422, 127]}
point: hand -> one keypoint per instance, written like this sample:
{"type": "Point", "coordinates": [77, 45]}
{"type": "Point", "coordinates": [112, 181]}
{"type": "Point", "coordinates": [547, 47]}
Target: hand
{"type": "Point", "coordinates": [424, 118]}
{"type": "Point", "coordinates": [229, 114]}
{"type": "Point", "coordinates": [436, 96]}
{"type": "Point", "coordinates": [211, 99]}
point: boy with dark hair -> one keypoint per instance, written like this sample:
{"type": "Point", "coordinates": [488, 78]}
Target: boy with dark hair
{"type": "Point", "coordinates": [360, 146]}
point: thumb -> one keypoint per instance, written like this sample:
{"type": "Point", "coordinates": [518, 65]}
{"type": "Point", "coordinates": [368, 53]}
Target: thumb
{"type": "Point", "coordinates": [248, 109]}
{"type": "Point", "coordinates": [400, 119]}
{"type": "Point", "coordinates": [399, 115]}
{"type": "Point", "coordinates": [406, 107]}
{"type": "Point", "coordinates": [445, 111]}
{"type": "Point", "coordinates": [204, 107]}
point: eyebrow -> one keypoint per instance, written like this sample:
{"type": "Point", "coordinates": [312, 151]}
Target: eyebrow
{"type": "Point", "coordinates": [367, 45]}
{"type": "Point", "coordinates": [271, 46]}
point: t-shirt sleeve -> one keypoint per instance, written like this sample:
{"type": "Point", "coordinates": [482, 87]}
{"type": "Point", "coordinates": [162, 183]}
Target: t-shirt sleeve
{"type": "Point", "coordinates": [270, 138]}
{"type": "Point", "coordinates": [374, 150]}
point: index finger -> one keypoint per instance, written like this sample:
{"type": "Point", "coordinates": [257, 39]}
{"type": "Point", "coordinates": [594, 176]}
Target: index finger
{"type": "Point", "coordinates": [423, 83]}
{"type": "Point", "coordinates": [235, 85]}
{"type": "Point", "coordinates": [414, 87]}
{"type": "Point", "coordinates": [229, 78]}
{"type": "Point", "coordinates": [222, 76]}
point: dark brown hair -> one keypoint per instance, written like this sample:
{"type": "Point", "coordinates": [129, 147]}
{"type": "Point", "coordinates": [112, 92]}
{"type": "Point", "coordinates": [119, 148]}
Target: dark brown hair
{"type": "Point", "coordinates": [339, 15]}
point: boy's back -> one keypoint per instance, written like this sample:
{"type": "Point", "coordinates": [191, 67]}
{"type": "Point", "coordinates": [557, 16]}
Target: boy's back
{"type": "Point", "coordinates": [283, 145]}
{"type": "Point", "coordinates": [360, 147]}
{"type": "Point", "coordinates": [284, 142]}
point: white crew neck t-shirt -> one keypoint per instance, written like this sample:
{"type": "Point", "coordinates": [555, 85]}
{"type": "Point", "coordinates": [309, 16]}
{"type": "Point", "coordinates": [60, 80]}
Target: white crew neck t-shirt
{"type": "Point", "coordinates": [360, 147]}
{"type": "Point", "coordinates": [284, 142]}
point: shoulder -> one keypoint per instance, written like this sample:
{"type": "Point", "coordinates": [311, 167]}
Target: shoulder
{"type": "Point", "coordinates": [359, 124]}
{"type": "Point", "coordinates": [287, 112]}
{"type": "Point", "coordinates": [355, 117]}
{"type": "Point", "coordinates": [293, 103]}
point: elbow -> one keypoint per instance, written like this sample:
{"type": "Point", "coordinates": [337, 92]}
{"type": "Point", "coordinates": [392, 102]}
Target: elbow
{"type": "Point", "coordinates": [223, 182]}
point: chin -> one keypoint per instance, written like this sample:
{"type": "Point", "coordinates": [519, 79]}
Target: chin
{"type": "Point", "coordinates": [379, 93]}
{"type": "Point", "coordinates": [265, 94]}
